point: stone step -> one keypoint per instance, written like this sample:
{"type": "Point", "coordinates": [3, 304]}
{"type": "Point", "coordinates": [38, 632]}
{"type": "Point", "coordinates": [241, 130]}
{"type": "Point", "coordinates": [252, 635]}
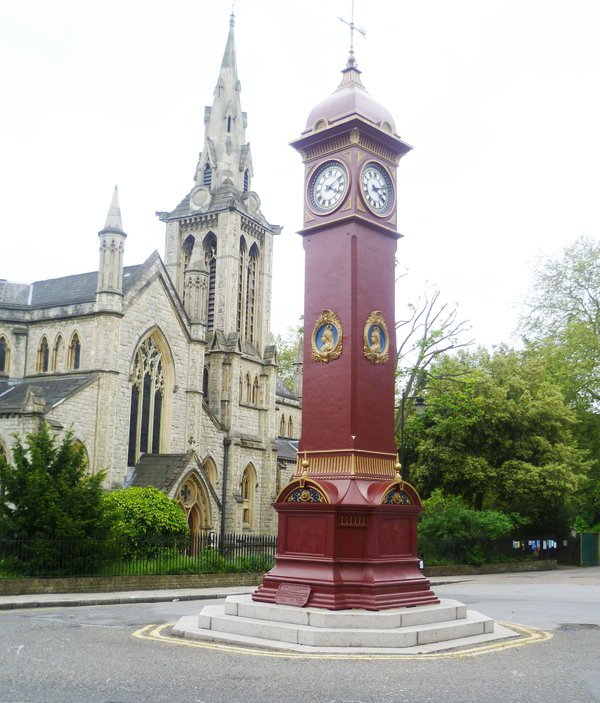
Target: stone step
{"type": "Point", "coordinates": [213, 620]}
{"type": "Point", "coordinates": [447, 609]}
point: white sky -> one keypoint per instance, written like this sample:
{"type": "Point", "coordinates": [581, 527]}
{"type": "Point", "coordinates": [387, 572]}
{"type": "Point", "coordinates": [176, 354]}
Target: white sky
{"type": "Point", "coordinates": [500, 99]}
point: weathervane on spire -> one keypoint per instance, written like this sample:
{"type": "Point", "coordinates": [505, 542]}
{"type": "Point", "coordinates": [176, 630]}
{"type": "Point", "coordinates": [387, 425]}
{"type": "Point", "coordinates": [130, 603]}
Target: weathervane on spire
{"type": "Point", "coordinates": [362, 32]}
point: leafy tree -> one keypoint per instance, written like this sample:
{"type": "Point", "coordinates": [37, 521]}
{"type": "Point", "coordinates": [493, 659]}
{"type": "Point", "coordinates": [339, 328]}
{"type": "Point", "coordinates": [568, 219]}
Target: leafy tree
{"type": "Point", "coordinates": [288, 349]}
{"type": "Point", "coordinates": [497, 433]}
{"type": "Point", "coordinates": [562, 325]}
{"type": "Point", "coordinates": [563, 319]}
{"type": "Point", "coordinates": [429, 329]}
{"type": "Point", "coordinates": [144, 519]}
{"type": "Point", "coordinates": [48, 498]}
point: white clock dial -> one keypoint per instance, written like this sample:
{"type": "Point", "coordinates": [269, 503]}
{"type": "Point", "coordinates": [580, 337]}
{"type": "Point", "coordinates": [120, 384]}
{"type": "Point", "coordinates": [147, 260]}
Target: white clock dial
{"type": "Point", "coordinates": [377, 188]}
{"type": "Point", "coordinates": [328, 186]}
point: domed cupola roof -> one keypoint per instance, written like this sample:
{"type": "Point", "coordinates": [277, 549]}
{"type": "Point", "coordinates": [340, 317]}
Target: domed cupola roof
{"type": "Point", "coordinates": [350, 99]}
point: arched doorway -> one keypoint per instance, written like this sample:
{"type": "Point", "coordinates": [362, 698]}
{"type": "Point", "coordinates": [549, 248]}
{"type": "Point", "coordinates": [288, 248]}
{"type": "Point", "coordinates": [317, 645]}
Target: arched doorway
{"type": "Point", "coordinates": [193, 499]}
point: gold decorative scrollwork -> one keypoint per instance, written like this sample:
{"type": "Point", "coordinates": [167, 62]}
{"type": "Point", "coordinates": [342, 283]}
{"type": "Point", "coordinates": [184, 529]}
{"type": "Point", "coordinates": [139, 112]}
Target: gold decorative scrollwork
{"type": "Point", "coordinates": [376, 339]}
{"type": "Point", "coordinates": [327, 337]}
{"type": "Point", "coordinates": [306, 494]}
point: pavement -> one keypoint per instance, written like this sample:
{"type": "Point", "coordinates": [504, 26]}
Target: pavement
{"type": "Point", "coordinates": [64, 600]}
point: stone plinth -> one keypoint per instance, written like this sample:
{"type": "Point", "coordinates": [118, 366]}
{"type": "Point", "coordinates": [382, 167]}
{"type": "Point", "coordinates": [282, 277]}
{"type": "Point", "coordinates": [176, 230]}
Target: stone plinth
{"type": "Point", "coordinates": [240, 620]}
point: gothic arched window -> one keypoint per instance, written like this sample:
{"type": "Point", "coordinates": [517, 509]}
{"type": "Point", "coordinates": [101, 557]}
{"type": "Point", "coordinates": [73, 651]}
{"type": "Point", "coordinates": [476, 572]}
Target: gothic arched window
{"type": "Point", "coordinates": [148, 400]}
{"type": "Point", "coordinates": [248, 389]}
{"type": "Point", "coordinates": [240, 297]}
{"type": "Point", "coordinates": [43, 356]}
{"type": "Point", "coordinates": [247, 490]}
{"type": "Point", "coordinates": [246, 180]}
{"type": "Point", "coordinates": [58, 352]}
{"type": "Point", "coordinates": [255, 391]}
{"type": "Point", "coordinates": [251, 275]}
{"type": "Point", "coordinates": [210, 263]}
{"type": "Point", "coordinates": [187, 247]}
{"type": "Point", "coordinates": [290, 427]}
{"type": "Point", "coordinates": [4, 354]}
{"type": "Point", "coordinates": [74, 356]}
{"type": "Point", "coordinates": [207, 175]}
{"type": "Point", "coordinates": [210, 469]}
{"type": "Point", "coordinates": [205, 384]}
{"type": "Point", "coordinates": [282, 426]}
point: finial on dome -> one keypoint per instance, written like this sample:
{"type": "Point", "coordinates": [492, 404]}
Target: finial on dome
{"type": "Point", "coordinates": [351, 63]}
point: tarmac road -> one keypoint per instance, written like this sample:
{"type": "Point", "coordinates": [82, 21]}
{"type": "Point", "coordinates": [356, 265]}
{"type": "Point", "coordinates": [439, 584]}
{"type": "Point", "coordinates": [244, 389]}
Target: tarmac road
{"type": "Point", "coordinates": [88, 654]}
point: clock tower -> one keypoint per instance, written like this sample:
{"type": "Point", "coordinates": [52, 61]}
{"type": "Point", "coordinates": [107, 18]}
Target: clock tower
{"type": "Point", "coordinates": [347, 522]}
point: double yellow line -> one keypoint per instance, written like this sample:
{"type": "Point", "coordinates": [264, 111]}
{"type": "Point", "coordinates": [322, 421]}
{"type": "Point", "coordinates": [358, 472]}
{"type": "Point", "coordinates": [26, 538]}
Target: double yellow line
{"type": "Point", "coordinates": [527, 635]}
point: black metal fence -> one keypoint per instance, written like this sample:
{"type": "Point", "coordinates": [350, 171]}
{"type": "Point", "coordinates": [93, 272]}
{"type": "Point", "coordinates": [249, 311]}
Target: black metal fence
{"type": "Point", "coordinates": [449, 550]}
{"type": "Point", "coordinates": [205, 553]}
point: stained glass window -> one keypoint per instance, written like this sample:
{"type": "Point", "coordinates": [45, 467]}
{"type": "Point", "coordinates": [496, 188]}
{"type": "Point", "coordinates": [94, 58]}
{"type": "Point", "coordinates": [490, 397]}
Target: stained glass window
{"type": "Point", "coordinates": [147, 402]}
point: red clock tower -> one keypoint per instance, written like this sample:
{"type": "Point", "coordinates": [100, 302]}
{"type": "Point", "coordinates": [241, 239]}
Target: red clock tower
{"type": "Point", "coordinates": [347, 522]}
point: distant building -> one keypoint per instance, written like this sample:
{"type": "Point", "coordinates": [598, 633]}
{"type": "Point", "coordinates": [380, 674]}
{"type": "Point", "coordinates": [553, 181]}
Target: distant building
{"type": "Point", "coordinates": [164, 370]}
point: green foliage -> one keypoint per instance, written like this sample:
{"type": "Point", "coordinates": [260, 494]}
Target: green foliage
{"type": "Point", "coordinates": [49, 499]}
{"type": "Point", "coordinates": [451, 532]}
{"type": "Point", "coordinates": [425, 331]}
{"type": "Point", "coordinates": [497, 432]}
{"type": "Point", "coordinates": [144, 519]}
{"type": "Point", "coordinates": [562, 325]}
{"type": "Point", "coordinates": [288, 349]}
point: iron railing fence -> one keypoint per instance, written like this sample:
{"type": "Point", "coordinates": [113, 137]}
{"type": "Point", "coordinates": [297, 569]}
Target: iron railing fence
{"type": "Point", "coordinates": [208, 553]}
{"type": "Point", "coordinates": [204, 553]}
{"type": "Point", "coordinates": [449, 549]}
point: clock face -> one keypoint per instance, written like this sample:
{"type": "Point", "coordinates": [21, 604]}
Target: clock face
{"type": "Point", "coordinates": [377, 188]}
{"type": "Point", "coordinates": [328, 186]}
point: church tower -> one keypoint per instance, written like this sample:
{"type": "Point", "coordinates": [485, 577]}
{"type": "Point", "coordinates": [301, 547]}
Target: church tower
{"type": "Point", "coordinates": [218, 228]}
{"type": "Point", "coordinates": [219, 256]}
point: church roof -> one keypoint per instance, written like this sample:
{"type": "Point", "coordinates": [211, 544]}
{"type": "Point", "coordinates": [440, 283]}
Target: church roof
{"type": "Point", "coordinates": [50, 389]}
{"type": "Point", "coordinates": [14, 293]}
{"type": "Point", "coordinates": [68, 290]}
{"type": "Point", "coordinates": [282, 391]}
{"type": "Point", "coordinates": [287, 449]}
{"type": "Point", "coordinates": [160, 470]}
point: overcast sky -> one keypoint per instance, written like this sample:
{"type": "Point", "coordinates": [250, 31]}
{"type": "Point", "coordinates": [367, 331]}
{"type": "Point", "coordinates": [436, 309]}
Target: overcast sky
{"type": "Point", "coordinates": [499, 98]}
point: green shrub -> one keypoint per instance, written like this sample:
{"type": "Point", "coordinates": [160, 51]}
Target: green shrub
{"type": "Point", "coordinates": [143, 521]}
{"type": "Point", "coordinates": [450, 531]}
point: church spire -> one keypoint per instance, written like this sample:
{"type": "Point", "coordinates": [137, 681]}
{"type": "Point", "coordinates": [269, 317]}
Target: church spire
{"type": "Point", "coordinates": [225, 159]}
{"type": "Point", "coordinates": [110, 271]}
{"type": "Point", "coordinates": [229, 55]}
{"type": "Point", "coordinates": [113, 218]}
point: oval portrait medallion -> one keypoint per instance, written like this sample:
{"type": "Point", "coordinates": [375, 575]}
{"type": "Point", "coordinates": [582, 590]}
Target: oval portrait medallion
{"type": "Point", "coordinates": [376, 340]}
{"type": "Point", "coordinates": [327, 338]}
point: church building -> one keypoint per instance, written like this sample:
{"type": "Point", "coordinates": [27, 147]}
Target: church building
{"type": "Point", "coordinates": [163, 370]}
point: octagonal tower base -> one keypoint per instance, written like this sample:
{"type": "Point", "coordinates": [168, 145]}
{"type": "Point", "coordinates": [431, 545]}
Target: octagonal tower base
{"type": "Point", "coordinates": [347, 544]}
